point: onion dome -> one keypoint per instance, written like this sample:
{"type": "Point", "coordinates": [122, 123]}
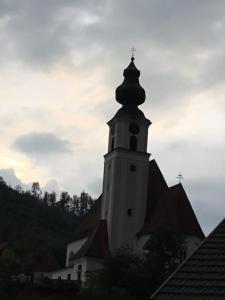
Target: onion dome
{"type": "Point", "coordinates": [130, 92]}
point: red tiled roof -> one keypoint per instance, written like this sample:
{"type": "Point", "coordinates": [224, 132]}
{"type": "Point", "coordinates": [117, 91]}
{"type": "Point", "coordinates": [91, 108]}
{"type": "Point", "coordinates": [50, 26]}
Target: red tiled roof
{"type": "Point", "coordinates": [156, 187]}
{"type": "Point", "coordinates": [48, 263]}
{"type": "Point", "coordinates": [89, 222]}
{"type": "Point", "coordinates": [174, 210]}
{"type": "Point", "coordinates": [97, 244]}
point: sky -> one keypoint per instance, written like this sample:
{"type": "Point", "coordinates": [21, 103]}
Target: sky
{"type": "Point", "coordinates": [60, 63]}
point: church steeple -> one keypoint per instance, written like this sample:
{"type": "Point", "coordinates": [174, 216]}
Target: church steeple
{"type": "Point", "coordinates": [126, 164]}
{"type": "Point", "coordinates": [130, 92]}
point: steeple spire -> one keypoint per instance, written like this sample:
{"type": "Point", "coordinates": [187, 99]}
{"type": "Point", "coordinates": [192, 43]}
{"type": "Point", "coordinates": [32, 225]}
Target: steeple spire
{"type": "Point", "coordinates": [132, 52]}
{"type": "Point", "coordinates": [130, 93]}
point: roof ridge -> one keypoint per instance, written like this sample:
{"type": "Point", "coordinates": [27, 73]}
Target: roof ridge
{"type": "Point", "coordinates": [179, 184]}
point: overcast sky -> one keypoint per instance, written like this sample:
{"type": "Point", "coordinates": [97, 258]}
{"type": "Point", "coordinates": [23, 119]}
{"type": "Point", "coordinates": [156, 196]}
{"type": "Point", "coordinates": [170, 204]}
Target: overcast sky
{"type": "Point", "coordinates": [60, 64]}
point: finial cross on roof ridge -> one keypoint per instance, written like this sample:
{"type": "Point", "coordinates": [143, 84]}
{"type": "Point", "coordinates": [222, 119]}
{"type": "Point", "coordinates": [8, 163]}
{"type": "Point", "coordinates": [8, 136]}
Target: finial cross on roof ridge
{"type": "Point", "coordinates": [180, 177]}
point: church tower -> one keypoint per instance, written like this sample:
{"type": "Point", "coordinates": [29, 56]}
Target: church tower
{"type": "Point", "coordinates": [126, 164]}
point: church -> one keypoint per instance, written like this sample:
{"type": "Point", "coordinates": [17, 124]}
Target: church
{"type": "Point", "coordinates": [136, 200]}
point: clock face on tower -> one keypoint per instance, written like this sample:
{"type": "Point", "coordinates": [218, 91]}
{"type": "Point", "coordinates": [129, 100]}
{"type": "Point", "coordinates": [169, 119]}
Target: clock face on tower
{"type": "Point", "coordinates": [134, 128]}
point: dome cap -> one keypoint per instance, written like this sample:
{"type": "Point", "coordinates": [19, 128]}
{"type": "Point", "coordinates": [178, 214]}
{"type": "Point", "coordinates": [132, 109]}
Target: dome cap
{"type": "Point", "coordinates": [130, 92]}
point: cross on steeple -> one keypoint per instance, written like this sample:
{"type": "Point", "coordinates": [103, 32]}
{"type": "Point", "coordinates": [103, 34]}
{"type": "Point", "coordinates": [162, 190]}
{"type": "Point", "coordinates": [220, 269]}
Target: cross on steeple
{"type": "Point", "coordinates": [180, 177]}
{"type": "Point", "coordinates": [132, 52]}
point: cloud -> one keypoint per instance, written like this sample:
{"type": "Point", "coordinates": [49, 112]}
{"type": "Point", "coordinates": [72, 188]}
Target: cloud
{"type": "Point", "coordinates": [46, 32]}
{"type": "Point", "coordinates": [52, 185]}
{"type": "Point", "coordinates": [42, 143]}
{"type": "Point", "coordinates": [207, 198]}
{"type": "Point", "coordinates": [12, 180]}
{"type": "Point", "coordinates": [42, 33]}
{"type": "Point", "coordinates": [180, 52]}
{"type": "Point", "coordinates": [178, 42]}
{"type": "Point", "coordinates": [95, 187]}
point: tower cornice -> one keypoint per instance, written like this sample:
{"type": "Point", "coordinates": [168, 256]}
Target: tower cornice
{"type": "Point", "coordinates": [126, 152]}
{"type": "Point", "coordinates": [125, 113]}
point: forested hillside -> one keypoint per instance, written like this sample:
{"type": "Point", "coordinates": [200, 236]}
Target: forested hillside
{"type": "Point", "coordinates": [35, 224]}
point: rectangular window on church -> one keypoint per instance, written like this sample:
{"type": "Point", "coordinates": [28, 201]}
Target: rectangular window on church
{"type": "Point", "coordinates": [132, 168]}
{"type": "Point", "coordinates": [68, 276]}
{"type": "Point", "coordinates": [129, 212]}
{"type": "Point", "coordinates": [79, 270]}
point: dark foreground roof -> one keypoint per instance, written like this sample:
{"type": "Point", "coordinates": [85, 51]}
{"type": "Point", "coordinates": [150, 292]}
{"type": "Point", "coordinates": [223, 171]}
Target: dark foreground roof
{"type": "Point", "coordinates": [202, 275]}
{"type": "Point", "coordinates": [97, 245]}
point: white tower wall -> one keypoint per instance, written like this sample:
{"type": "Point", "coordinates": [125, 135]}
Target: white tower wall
{"type": "Point", "coordinates": [125, 181]}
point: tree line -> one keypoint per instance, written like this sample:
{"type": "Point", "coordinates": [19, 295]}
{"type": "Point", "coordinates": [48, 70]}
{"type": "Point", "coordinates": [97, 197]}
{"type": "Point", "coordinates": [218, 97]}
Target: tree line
{"type": "Point", "coordinates": [32, 222]}
{"type": "Point", "coordinates": [79, 205]}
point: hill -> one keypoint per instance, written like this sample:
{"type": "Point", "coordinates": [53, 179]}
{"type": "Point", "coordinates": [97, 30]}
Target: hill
{"type": "Point", "coordinates": [32, 227]}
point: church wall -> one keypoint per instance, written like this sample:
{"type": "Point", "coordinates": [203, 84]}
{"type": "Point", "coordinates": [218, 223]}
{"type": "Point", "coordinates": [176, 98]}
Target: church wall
{"type": "Point", "coordinates": [140, 242]}
{"type": "Point", "coordinates": [80, 266]}
{"type": "Point", "coordinates": [124, 190]}
{"type": "Point", "coordinates": [88, 264]}
{"type": "Point", "coordinates": [191, 244]}
{"type": "Point", "coordinates": [94, 264]}
{"type": "Point", "coordinates": [63, 274]}
{"type": "Point", "coordinates": [74, 247]}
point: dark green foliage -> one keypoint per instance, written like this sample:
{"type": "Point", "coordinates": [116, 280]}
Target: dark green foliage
{"type": "Point", "coordinates": [64, 201]}
{"type": "Point", "coordinates": [138, 275]}
{"type": "Point", "coordinates": [80, 205]}
{"type": "Point", "coordinates": [33, 227]}
{"type": "Point", "coordinates": [43, 291]}
{"type": "Point", "coordinates": [34, 224]}
{"type": "Point", "coordinates": [114, 293]}
{"type": "Point", "coordinates": [36, 190]}
{"type": "Point", "coordinates": [162, 254]}
{"type": "Point", "coordinates": [122, 270]}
